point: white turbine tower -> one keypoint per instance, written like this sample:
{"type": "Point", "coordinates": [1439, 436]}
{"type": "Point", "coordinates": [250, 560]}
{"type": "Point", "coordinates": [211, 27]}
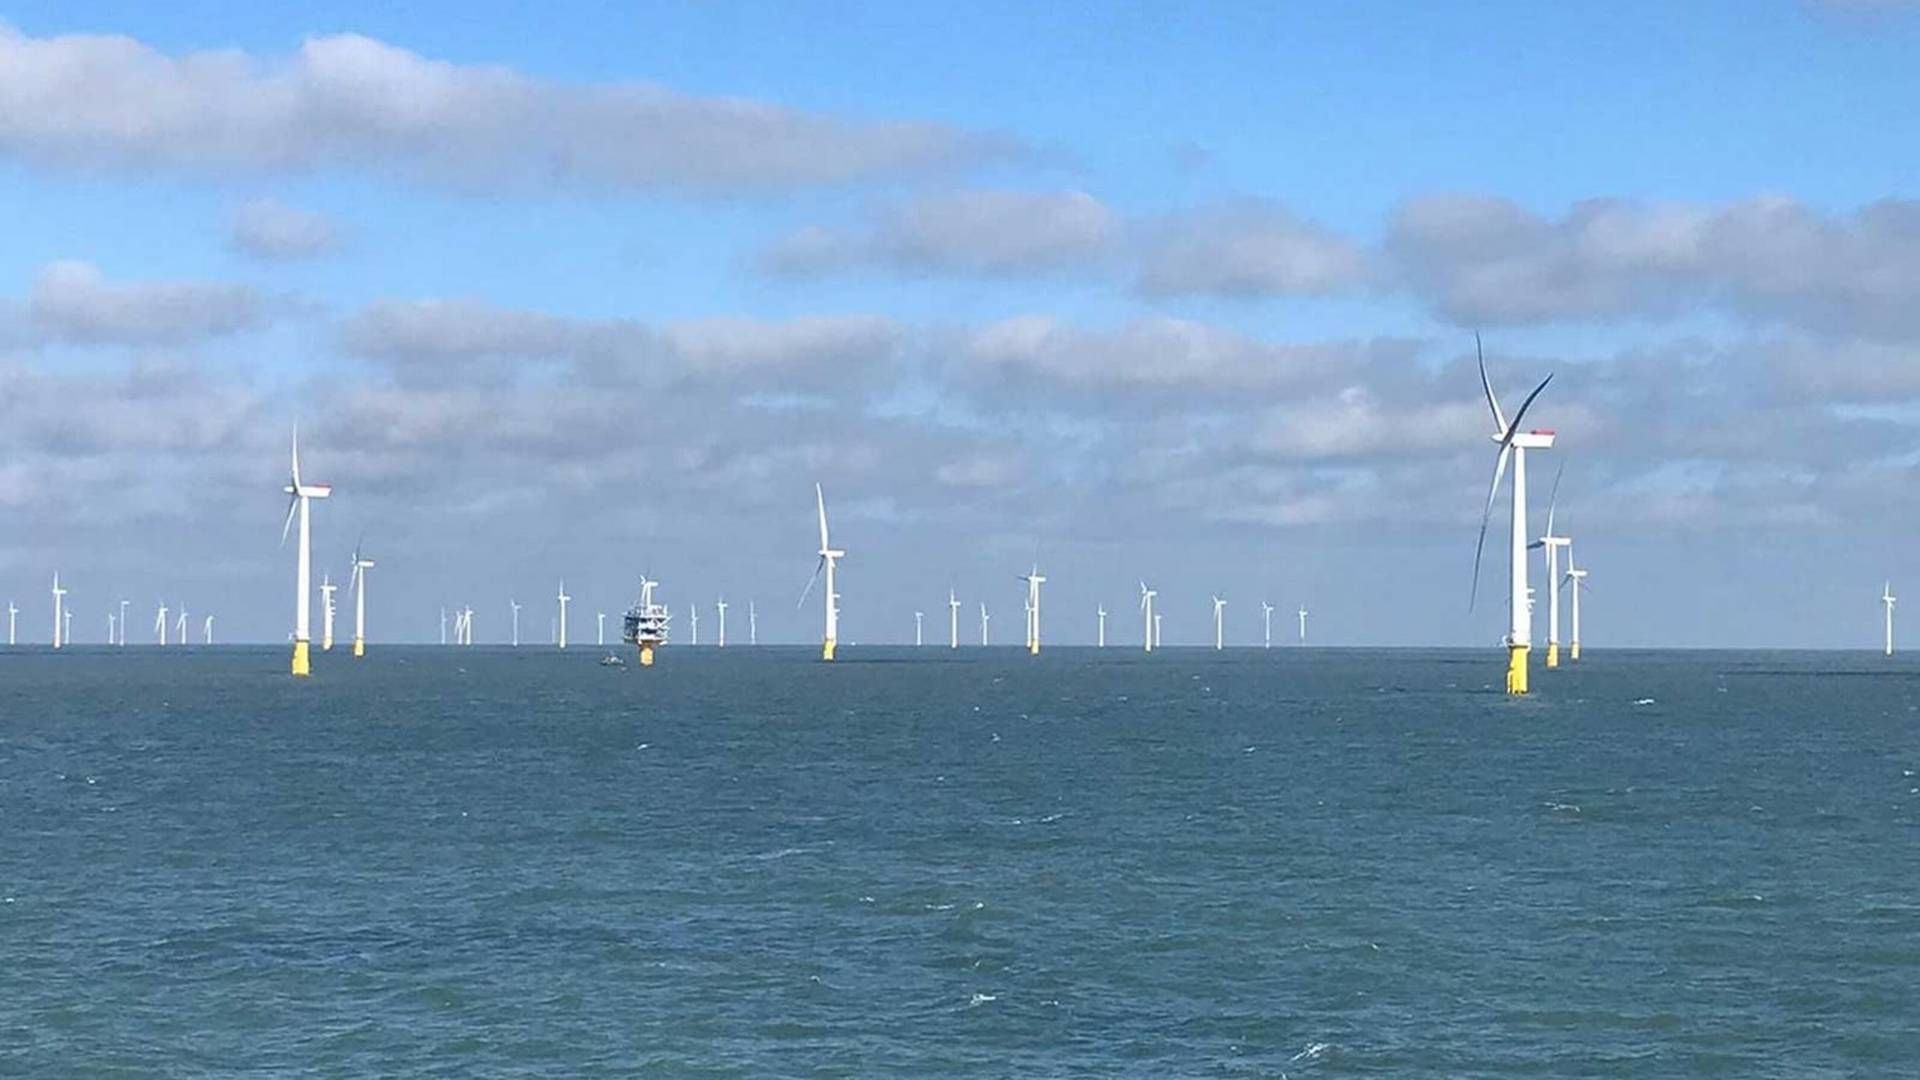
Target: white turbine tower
{"type": "Point", "coordinates": [600, 628]}
{"type": "Point", "coordinates": [1266, 624]}
{"type": "Point", "coordinates": [60, 613]}
{"type": "Point", "coordinates": [13, 624]}
{"type": "Point", "coordinates": [753, 623]}
{"type": "Point", "coordinates": [983, 623]}
{"type": "Point", "coordinates": [828, 557]}
{"type": "Point", "coordinates": [1513, 443]}
{"type": "Point", "coordinates": [207, 628]}
{"type": "Point", "coordinates": [299, 496]}
{"type": "Point", "coordinates": [327, 588]}
{"type": "Point", "coordinates": [694, 611]}
{"type": "Point", "coordinates": [1577, 580]}
{"type": "Point", "coordinates": [516, 622]}
{"type": "Point", "coordinates": [1156, 629]}
{"type": "Point", "coordinates": [66, 626]}
{"type": "Point", "coordinates": [560, 631]}
{"type": "Point", "coordinates": [110, 625]}
{"type": "Point", "coordinates": [721, 606]}
{"type": "Point", "coordinates": [918, 618]}
{"type": "Point", "coordinates": [357, 581]}
{"type": "Point", "coordinates": [443, 626]}
{"type": "Point", "coordinates": [1034, 580]}
{"type": "Point", "coordinates": [1219, 624]}
{"type": "Point", "coordinates": [160, 624]}
{"type": "Point", "coordinates": [953, 621]}
{"type": "Point", "coordinates": [1146, 613]}
{"type": "Point", "coordinates": [1887, 598]}
{"type": "Point", "coordinates": [123, 624]}
{"type": "Point", "coordinates": [1552, 544]}
{"type": "Point", "coordinates": [1101, 640]}
{"type": "Point", "coordinates": [180, 627]}
{"type": "Point", "coordinates": [1303, 624]}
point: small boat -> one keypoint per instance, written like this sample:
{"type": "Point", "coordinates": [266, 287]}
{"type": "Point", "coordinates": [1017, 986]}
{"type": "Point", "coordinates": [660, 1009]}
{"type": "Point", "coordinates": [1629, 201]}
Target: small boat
{"type": "Point", "coordinates": [610, 660]}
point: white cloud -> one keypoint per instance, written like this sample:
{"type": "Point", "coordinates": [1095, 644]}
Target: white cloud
{"type": "Point", "coordinates": [266, 229]}
{"type": "Point", "coordinates": [349, 101]}
{"type": "Point", "coordinates": [977, 232]}
{"type": "Point", "coordinates": [1248, 248]}
{"type": "Point", "coordinates": [72, 301]}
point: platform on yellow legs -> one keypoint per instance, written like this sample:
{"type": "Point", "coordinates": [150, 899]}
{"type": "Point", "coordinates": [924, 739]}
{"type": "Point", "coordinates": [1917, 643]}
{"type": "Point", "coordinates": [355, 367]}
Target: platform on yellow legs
{"type": "Point", "coordinates": [646, 656]}
{"type": "Point", "coordinates": [302, 667]}
{"type": "Point", "coordinates": [826, 649]}
{"type": "Point", "coordinates": [1575, 654]}
{"type": "Point", "coordinates": [359, 647]}
{"type": "Point", "coordinates": [1516, 669]}
{"type": "Point", "coordinates": [1553, 654]}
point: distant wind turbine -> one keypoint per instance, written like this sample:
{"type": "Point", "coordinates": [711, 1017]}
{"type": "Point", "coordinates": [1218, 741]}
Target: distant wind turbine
{"type": "Point", "coordinates": [180, 627]}
{"type": "Point", "coordinates": [1219, 624]}
{"type": "Point", "coordinates": [1303, 624]}
{"type": "Point", "coordinates": [600, 628]}
{"type": "Point", "coordinates": [357, 581]}
{"type": "Point", "coordinates": [123, 624]}
{"type": "Point", "coordinates": [59, 602]}
{"type": "Point", "coordinates": [721, 606]}
{"type": "Point", "coordinates": [1266, 624]}
{"type": "Point", "coordinates": [983, 623]}
{"type": "Point", "coordinates": [753, 623]}
{"type": "Point", "coordinates": [300, 496]}
{"type": "Point", "coordinates": [1101, 640]}
{"type": "Point", "coordinates": [1887, 598]}
{"type": "Point", "coordinates": [953, 621]}
{"type": "Point", "coordinates": [516, 622]}
{"type": "Point", "coordinates": [1034, 580]}
{"type": "Point", "coordinates": [1552, 545]}
{"type": "Point", "coordinates": [693, 624]}
{"type": "Point", "coordinates": [327, 589]}
{"type": "Point", "coordinates": [829, 556]}
{"type": "Point", "coordinates": [207, 628]}
{"type": "Point", "coordinates": [13, 624]}
{"type": "Point", "coordinates": [563, 598]}
{"type": "Point", "coordinates": [918, 618]}
{"type": "Point", "coordinates": [1146, 613]}
{"type": "Point", "coordinates": [1513, 443]}
{"type": "Point", "coordinates": [1577, 581]}
{"type": "Point", "coordinates": [160, 624]}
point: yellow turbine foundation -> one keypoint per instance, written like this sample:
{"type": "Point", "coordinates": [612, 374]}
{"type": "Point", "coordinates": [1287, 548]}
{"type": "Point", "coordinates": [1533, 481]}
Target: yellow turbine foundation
{"type": "Point", "coordinates": [826, 649]}
{"type": "Point", "coordinates": [1553, 654]}
{"type": "Point", "coordinates": [1033, 649]}
{"type": "Point", "coordinates": [1575, 655]}
{"type": "Point", "coordinates": [359, 647]}
{"type": "Point", "coordinates": [302, 667]}
{"type": "Point", "coordinates": [646, 656]}
{"type": "Point", "coordinates": [1516, 669]}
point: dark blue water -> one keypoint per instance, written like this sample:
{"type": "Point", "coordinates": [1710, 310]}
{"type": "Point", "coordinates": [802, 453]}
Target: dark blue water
{"type": "Point", "coordinates": [1300, 863]}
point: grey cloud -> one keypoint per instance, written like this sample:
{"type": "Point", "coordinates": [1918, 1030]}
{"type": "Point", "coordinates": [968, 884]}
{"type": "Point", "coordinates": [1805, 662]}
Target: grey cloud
{"type": "Point", "coordinates": [351, 101]}
{"type": "Point", "coordinates": [72, 301]}
{"type": "Point", "coordinates": [1248, 248]}
{"type": "Point", "coordinates": [980, 232]}
{"type": "Point", "coordinates": [266, 229]}
{"type": "Point", "coordinates": [1487, 260]}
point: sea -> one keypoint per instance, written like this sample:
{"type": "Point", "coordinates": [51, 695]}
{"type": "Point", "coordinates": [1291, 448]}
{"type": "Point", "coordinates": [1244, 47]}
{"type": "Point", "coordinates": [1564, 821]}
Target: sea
{"type": "Point", "coordinates": [1300, 862]}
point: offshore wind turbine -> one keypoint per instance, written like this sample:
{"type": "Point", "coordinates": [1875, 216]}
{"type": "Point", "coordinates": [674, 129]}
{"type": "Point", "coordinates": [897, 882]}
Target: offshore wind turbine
{"type": "Point", "coordinates": [694, 622]}
{"type": "Point", "coordinates": [300, 496]}
{"type": "Point", "coordinates": [753, 624]}
{"type": "Point", "coordinates": [59, 603]}
{"type": "Point", "coordinates": [1146, 613]}
{"type": "Point", "coordinates": [357, 581]}
{"type": "Point", "coordinates": [110, 625]}
{"type": "Point", "coordinates": [1266, 624]}
{"type": "Point", "coordinates": [1303, 624]}
{"type": "Point", "coordinates": [327, 588]}
{"type": "Point", "coordinates": [953, 621]}
{"type": "Point", "coordinates": [1552, 544]}
{"type": "Point", "coordinates": [560, 630]}
{"type": "Point", "coordinates": [1577, 580]}
{"type": "Point", "coordinates": [160, 624]}
{"type": "Point", "coordinates": [516, 622]}
{"type": "Point", "coordinates": [829, 555]}
{"type": "Point", "coordinates": [983, 622]}
{"type": "Point", "coordinates": [1101, 640]}
{"type": "Point", "coordinates": [1513, 443]}
{"type": "Point", "coordinates": [918, 618]}
{"type": "Point", "coordinates": [1887, 598]}
{"type": "Point", "coordinates": [123, 624]}
{"type": "Point", "coordinates": [1034, 580]}
{"type": "Point", "coordinates": [721, 606]}
{"type": "Point", "coordinates": [600, 628]}
{"type": "Point", "coordinates": [180, 627]}
{"type": "Point", "coordinates": [1219, 624]}
{"type": "Point", "coordinates": [13, 623]}
{"type": "Point", "coordinates": [207, 627]}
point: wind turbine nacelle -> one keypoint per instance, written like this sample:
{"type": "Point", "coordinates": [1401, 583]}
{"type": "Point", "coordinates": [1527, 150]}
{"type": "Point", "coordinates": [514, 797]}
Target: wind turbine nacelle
{"type": "Point", "coordinates": [1533, 440]}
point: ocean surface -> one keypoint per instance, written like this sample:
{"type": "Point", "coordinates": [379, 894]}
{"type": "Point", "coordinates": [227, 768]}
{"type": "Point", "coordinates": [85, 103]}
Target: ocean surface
{"type": "Point", "coordinates": [929, 863]}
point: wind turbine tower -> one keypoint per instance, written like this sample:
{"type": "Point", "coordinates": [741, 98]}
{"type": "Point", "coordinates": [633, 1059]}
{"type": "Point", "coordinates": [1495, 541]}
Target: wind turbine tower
{"type": "Point", "coordinates": [59, 605]}
{"type": "Point", "coordinates": [123, 624]}
{"type": "Point", "coordinates": [1219, 624]}
{"type": "Point", "coordinates": [983, 623]}
{"type": "Point", "coordinates": [561, 626]}
{"type": "Point", "coordinates": [180, 627]}
{"type": "Point", "coordinates": [829, 556]}
{"type": "Point", "coordinates": [357, 581]}
{"type": "Point", "coordinates": [1034, 580]}
{"type": "Point", "coordinates": [953, 621]}
{"type": "Point", "coordinates": [918, 618]}
{"type": "Point", "coordinates": [753, 623]}
{"type": "Point", "coordinates": [1887, 598]}
{"type": "Point", "coordinates": [1512, 443]}
{"type": "Point", "coordinates": [721, 606]}
{"type": "Point", "coordinates": [1146, 614]}
{"type": "Point", "coordinates": [516, 622]}
{"type": "Point", "coordinates": [1553, 544]}
{"type": "Point", "coordinates": [13, 623]}
{"type": "Point", "coordinates": [1101, 640]}
{"type": "Point", "coordinates": [1577, 580]}
{"type": "Point", "coordinates": [600, 628]}
{"type": "Point", "coordinates": [1266, 624]}
{"type": "Point", "coordinates": [1303, 624]}
{"type": "Point", "coordinates": [694, 633]}
{"type": "Point", "coordinates": [300, 496]}
{"type": "Point", "coordinates": [160, 624]}
{"type": "Point", "coordinates": [207, 627]}
{"type": "Point", "coordinates": [327, 588]}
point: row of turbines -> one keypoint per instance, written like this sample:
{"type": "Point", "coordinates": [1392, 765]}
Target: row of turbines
{"type": "Point", "coordinates": [181, 625]}
{"type": "Point", "coordinates": [1150, 634]}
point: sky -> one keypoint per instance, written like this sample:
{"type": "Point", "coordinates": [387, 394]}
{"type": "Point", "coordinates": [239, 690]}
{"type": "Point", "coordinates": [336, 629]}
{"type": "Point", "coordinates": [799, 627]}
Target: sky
{"type": "Point", "coordinates": [1134, 292]}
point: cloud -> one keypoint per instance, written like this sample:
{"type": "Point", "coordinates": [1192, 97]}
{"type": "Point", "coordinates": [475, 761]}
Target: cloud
{"type": "Point", "coordinates": [968, 232]}
{"type": "Point", "coordinates": [1483, 260]}
{"type": "Point", "coordinates": [823, 350]}
{"type": "Point", "coordinates": [349, 101]}
{"type": "Point", "coordinates": [72, 301]}
{"type": "Point", "coordinates": [1248, 248]}
{"type": "Point", "coordinates": [266, 229]}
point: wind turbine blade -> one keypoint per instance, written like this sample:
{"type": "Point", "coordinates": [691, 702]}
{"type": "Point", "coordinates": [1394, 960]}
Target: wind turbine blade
{"type": "Point", "coordinates": [1499, 421]}
{"type": "Point", "coordinates": [1554, 498]}
{"type": "Point", "coordinates": [1493, 492]}
{"type": "Point", "coordinates": [296, 455]}
{"type": "Point", "coordinates": [820, 500]}
{"type": "Point", "coordinates": [1514, 428]}
{"type": "Point", "coordinates": [293, 505]}
{"type": "Point", "coordinates": [817, 567]}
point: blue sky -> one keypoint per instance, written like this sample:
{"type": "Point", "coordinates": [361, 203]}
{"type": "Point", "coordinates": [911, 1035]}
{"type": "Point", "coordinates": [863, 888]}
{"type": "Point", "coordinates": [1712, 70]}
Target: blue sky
{"type": "Point", "coordinates": [1166, 293]}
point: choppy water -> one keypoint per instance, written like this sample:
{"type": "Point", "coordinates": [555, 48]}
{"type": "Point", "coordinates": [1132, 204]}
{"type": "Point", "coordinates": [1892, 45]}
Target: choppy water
{"type": "Point", "coordinates": [1298, 863]}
